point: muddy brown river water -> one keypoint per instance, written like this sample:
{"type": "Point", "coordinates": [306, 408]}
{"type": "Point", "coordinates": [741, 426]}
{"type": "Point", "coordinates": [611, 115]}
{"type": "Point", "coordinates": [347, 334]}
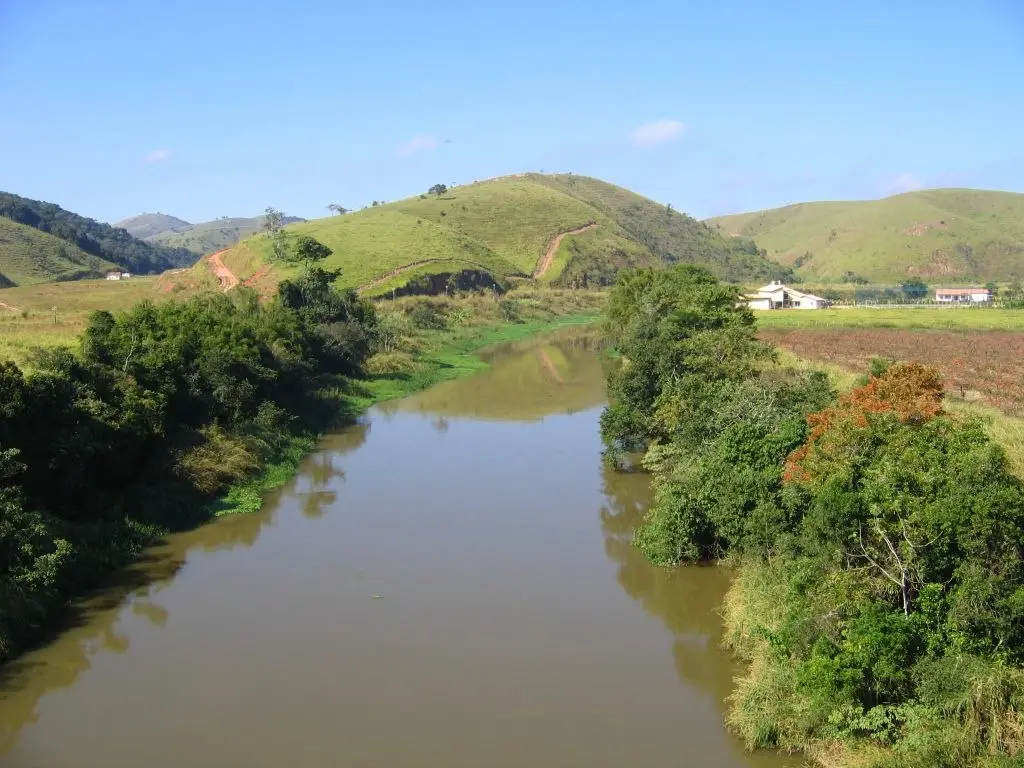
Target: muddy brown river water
{"type": "Point", "coordinates": [448, 584]}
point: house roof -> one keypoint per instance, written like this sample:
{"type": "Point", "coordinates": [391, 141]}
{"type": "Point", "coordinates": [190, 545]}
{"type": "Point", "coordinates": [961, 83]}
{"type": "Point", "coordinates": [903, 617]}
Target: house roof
{"type": "Point", "coordinates": [960, 291]}
{"type": "Point", "coordinates": [772, 289]}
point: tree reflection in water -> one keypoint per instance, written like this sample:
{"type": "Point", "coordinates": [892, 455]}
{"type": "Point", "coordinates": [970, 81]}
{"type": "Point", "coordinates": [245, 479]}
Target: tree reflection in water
{"type": "Point", "coordinates": [685, 599]}
{"type": "Point", "coordinates": [92, 624]}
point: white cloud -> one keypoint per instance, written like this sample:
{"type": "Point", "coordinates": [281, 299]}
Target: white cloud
{"type": "Point", "coordinates": [658, 132]}
{"type": "Point", "coordinates": [156, 156]}
{"type": "Point", "coordinates": [420, 143]}
{"type": "Point", "coordinates": [905, 182]}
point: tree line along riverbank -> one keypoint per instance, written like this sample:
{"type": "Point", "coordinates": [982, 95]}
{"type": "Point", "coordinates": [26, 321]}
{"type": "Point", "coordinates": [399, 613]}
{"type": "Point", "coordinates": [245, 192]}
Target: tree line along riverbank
{"type": "Point", "coordinates": [163, 416]}
{"type": "Point", "coordinates": [879, 598]}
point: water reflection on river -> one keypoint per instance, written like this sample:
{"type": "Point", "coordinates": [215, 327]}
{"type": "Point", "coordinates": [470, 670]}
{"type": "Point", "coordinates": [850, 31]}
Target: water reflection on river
{"type": "Point", "coordinates": [433, 589]}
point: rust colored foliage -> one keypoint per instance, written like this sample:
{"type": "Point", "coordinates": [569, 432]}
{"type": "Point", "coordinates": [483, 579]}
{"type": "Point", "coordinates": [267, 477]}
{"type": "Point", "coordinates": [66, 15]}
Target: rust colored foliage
{"type": "Point", "coordinates": [911, 391]}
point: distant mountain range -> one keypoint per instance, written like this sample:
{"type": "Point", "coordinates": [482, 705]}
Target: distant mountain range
{"type": "Point", "coordinates": [939, 235]}
{"type": "Point", "coordinates": [200, 239]}
{"type": "Point", "coordinates": [41, 242]}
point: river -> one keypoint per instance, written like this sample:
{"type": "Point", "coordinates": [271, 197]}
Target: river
{"type": "Point", "coordinates": [449, 583]}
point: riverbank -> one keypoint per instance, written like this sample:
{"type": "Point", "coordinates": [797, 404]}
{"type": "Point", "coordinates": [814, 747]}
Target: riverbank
{"type": "Point", "coordinates": [407, 563]}
{"type": "Point", "coordinates": [966, 711]}
{"type": "Point", "coordinates": [875, 534]}
{"type": "Point", "coordinates": [425, 340]}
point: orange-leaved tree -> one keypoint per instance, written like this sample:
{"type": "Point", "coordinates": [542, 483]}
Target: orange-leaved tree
{"type": "Point", "coordinates": [910, 391]}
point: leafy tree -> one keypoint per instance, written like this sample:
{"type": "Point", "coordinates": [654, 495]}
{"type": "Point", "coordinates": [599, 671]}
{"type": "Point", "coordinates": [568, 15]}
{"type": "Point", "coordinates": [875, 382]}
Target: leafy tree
{"type": "Point", "coordinates": [681, 333]}
{"type": "Point", "coordinates": [338, 209]}
{"type": "Point", "coordinates": [914, 288]}
{"type": "Point", "coordinates": [272, 220]}
{"type": "Point", "coordinates": [438, 189]}
{"type": "Point", "coordinates": [309, 251]}
{"type": "Point", "coordinates": [1015, 290]}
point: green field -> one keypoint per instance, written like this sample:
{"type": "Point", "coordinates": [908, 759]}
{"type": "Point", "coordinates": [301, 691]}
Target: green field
{"type": "Point", "coordinates": [938, 318]}
{"type": "Point", "coordinates": [504, 226]}
{"type": "Point", "coordinates": [947, 235]}
{"type": "Point", "coordinates": [48, 314]}
{"type": "Point", "coordinates": [29, 256]}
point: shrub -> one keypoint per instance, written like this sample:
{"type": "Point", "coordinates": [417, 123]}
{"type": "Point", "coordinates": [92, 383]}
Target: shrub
{"type": "Point", "coordinates": [428, 316]}
{"type": "Point", "coordinates": [217, 460]}
{"type": "Point", "coordinates": [384, 363]}
{"type": "Point", "coordinates": [509, 311]}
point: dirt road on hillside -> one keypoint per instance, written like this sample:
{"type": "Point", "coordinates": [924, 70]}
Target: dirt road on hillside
{"type": "Point", "coordinates": [549, 256]}
{"type": "Point", "coordinates": [227, 278]}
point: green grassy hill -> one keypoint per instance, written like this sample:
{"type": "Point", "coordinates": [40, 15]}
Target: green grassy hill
{"type": "Point", "coordinates": [147, 225]}
{"type": "Point", "coordinates": [504, 228]}
{"type": "Point", "coordinates": [29, 256]}
{"type": "Point", "coordinates": [940, 235]}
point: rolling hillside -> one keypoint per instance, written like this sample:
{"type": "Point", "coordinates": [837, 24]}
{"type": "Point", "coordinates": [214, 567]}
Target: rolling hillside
{"type": "Point", "coordinates": [109, 246]}
{"type": "Point", "coordinates": [211, 236]}
{"type": "Point", "coordinates": [504, 228]}
{"type": "Point", "coordinates": [946, 235]}
{"type": "Point", "coordinates": [200, 239]}
{"type": "Point", "coordinates": [29, 256]}
{"type": "Point", "coordinates": [147, 225]}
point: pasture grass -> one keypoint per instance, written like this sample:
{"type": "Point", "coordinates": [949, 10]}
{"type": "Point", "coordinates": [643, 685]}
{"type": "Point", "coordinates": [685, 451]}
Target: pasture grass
{"type": "Point", "coordinates": [501, 226]}
{"type": "Point", "coordinates": [29, 319]}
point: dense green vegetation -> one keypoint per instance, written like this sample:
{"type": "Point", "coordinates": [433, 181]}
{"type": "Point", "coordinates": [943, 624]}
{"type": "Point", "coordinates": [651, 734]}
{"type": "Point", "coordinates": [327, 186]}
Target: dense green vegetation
{"type": "Point", "coordinates": [102, 241]}
{"type": "Point", "coordinates": [504, 227]}
{"type": "Point", "coordinates": [29, 256]}
{"type": "Point", "coordinates": [162, 408]}
{"type": "Point", "coordinates": [946, 235]}
{"type": "Point", "coordinates": [880, 596]}
{"type": "Point", "coordinates": [203, 238]}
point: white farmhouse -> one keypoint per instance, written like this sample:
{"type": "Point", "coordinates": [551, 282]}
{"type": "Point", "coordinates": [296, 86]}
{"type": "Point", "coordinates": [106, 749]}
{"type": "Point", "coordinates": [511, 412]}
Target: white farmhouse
{"type": "Point", "coordinates": [962, 295]}
{"type": "Point", "coordinates": [775, 295]}
{"type": "Point", "coordinates": [115, 275]}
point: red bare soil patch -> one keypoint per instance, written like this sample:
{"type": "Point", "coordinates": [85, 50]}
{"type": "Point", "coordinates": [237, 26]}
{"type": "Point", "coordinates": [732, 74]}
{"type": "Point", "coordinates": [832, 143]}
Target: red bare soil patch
{"type": "Point", "coordinates": [986, 365]}
{"type": "Point", "coordinates": [227, 278]}
{"type": "Point", "coordinates": [256, 276]}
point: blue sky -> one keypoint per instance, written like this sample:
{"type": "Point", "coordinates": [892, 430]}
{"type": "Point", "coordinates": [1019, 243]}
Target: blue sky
{"type": "Point", "coordinates": [204, 109]}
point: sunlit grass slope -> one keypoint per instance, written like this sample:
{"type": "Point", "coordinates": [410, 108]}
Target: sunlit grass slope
{"type": "Point", "coordinates": [504, 226]}
{"type": "Point", "coordinates": [941, 235]}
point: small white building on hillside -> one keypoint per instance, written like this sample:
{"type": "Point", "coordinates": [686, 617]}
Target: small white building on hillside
{"type": "Point", "coordinates": [962, 295]}
{"type": "Point", "coordinates": [118, 275]}
{"type": "Point", "coordinates": [775, 295]}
